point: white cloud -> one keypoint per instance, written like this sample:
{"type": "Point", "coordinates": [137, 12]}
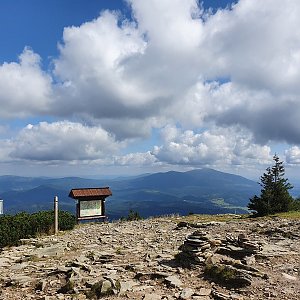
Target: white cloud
{"type": "Point", "coordinates": [127, 75]}
{"type": "Point", "coordinates": [91, 66]}
{"type": "Point", "coordinates": [256, 43]}
{"type": "Point", "coordinates": [128, 72]}
{"type": "Point", "coordinates": [170, 25]}
{"type": "Point", "coordinates": [62, 141]}
{"type": "Point", "coordinates": [211, 147]}
{"type": "Point", "coordinates": [138, 159]}
{"type": "Point", "coordinates": [292, 155]}
{"type": "Point", "coordinates": [229, 79]}
{"type": "Point", "coordinates": [144, 70]}
{"type": "Point", "coordinates": [230, 104]}
{"type": "Point", "coordinates": [25, 90]}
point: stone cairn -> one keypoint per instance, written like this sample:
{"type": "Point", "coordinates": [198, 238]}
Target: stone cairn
{"type": "Point", "coordinates": [227, 260]}
{"type": "Point", "coordinates": [197, 247]}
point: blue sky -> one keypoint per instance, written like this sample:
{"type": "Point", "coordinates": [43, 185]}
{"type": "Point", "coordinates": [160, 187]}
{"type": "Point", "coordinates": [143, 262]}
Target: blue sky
{"type": "Point", "coordinates": [26, 22]}
{"type": "Point", "coordinates": [92, 87]}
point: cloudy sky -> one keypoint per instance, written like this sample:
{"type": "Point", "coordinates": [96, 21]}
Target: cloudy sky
{"type": "Point", "coordinates": [104, 87]}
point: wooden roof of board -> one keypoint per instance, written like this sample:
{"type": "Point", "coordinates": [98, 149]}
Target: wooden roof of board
{"type": "Point", "coordinates": [90, 193]}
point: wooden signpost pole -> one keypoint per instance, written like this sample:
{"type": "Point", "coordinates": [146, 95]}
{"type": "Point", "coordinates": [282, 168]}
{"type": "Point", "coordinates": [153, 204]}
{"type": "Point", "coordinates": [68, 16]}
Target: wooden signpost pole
{"type": "Point", "coordinates": [55, 215]}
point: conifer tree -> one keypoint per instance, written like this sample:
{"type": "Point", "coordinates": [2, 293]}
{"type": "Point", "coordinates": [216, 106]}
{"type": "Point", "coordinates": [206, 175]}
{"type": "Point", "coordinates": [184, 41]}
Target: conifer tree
{"type": "Point", "coordinates": [274, 195]}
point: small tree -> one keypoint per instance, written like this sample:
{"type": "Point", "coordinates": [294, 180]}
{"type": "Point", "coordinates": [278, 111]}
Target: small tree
{"type": "Point", "coordinates": [274, 195]}
{"type": "Point", "coordinates": [132, 216]}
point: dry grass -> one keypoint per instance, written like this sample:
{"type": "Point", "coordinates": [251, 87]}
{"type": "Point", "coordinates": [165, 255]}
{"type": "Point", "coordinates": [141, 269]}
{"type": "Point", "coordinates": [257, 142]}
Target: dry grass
{"type": "Point", "coordinates": [194, 218]}
{"type": "Point", "coordinates": [294, 215]}
{"type": "Point", "coordinates": [209, 218]}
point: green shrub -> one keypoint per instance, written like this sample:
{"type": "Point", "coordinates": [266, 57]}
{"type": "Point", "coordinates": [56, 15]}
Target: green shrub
{"type": "Point", "coordinates": [295, 205]}
{"type": "Point", "coordinates": [67, 221]}
{"type": "Point", "coordinates": [133, 216]}
{"type": "Point", "coordinates": [24, 225]}
{"type": "Point", "coordinates": [226, 275]}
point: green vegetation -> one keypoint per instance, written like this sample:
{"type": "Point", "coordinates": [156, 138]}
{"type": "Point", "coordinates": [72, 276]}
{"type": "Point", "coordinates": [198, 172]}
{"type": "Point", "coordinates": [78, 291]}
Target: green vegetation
{"type": "Point", "coordinates": [220, 202]}
{"type": "Point", "coordinates": [292, 215]}
{"type": "Point", "coordinates": [132, 216]}
{"type": "Point", "coordinates": [295, 206]}
{"type": "Point", "coordinates": [24, 225]}
{"type": "Point", "coordinates": [197, 218]}
{"type": "Point", "coordinates": [274, 197]}
{"type": "Point", "coordinates": [225, 274]}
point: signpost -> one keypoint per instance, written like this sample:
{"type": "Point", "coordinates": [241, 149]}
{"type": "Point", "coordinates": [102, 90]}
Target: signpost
{"type": "Point", "coordinates": [90, 202]}
{"type": "Point", "coordinates": [1, 207]}
{"type": "Point", "coordinates": [55, 215]}
{"type": "Point", "coordinates": [90, 208]}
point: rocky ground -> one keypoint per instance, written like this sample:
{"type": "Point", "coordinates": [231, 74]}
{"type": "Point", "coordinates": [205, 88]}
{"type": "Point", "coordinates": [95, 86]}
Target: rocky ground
{"type": "Point", "coordinates": [163, 258]}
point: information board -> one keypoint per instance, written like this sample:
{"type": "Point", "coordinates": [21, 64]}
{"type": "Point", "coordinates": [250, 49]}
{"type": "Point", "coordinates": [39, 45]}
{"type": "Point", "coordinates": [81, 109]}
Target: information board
{"type": "Point", "coordinates": [90, 208]}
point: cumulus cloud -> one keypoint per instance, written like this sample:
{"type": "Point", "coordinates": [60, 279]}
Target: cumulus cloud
{"type": "Point", "coordinates": [229, 79]}
{"type": "Point", "coordinates": [91, 68]}
{"type": "Point", "coordinates": [62, 141]}
{"type": "Point", "coordinates": [210, 147]}
{"type": "Point", "coordinates": [115, 70]}
{"type": "Point", "coordinates": [139, 159]}
{"type": "Point", "coordinates": [256, 44]}
{"type": "Point", "coordinates": [25, 89]}
{"type": "Point", "coordinates": [229, 104]}
{"type": "Point", "coordinates": [118, 70]}
{"type": "Point", "coordinates": [292, 155]}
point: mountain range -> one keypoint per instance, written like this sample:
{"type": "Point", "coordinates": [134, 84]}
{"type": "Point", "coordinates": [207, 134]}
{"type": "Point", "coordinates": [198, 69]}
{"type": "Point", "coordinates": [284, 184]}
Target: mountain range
{"type": "Point", "coordinates": [198, 191]}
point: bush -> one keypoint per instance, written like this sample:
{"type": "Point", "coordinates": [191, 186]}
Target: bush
{"type": "Point", "coordinates": [295, 205]}
{"type": "Point", "coordinates": [66, 221]}
{"type": "Point", "coordinates": [24, 225]}
{"type": "Point", "coordinates": [132, 216]}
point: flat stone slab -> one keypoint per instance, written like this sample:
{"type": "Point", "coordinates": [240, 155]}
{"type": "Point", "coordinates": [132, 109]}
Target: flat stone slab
{"type": "Point", "coordinates": [173, 281]}
{"type": "Point", "coordinates": [4, 262]}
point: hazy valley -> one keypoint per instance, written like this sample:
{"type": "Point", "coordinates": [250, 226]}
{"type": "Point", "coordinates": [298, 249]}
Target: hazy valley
{"type": "Point", "coordinates": [198, 191]}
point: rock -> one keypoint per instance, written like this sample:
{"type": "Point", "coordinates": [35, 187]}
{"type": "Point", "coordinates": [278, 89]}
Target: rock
{"type": "Point", "coordinates": [204, 292]}
{"type": "Point", "coordinates": [152, 297]}
{"type": "Point", "coordinates": [146, 276]}
{"type": "Point", "coordinates": [54, 250]}
{"type": "Point", "coordinates": [186, 294]}
{"type": "Point", "coordinates": [173, 281]}
{"type": "Point", "coordinates": [41, 285]}
{"type": "Point", "coordinates": [104, 257]}
{"type": "Point", "coordinates": [228, 275]}
{"type": "Point", "coordinates": [5, 262]}
{"type": "Point", "coordinates": [182, 225]}
{"type": "Point", "coordinates": [272, 250]}
{"type": "Point", "coordinates": [194, 248]}
{"type": "Point", "coordinates": [28, 241]}
{"type": "Point", "coordinates": [289, 277]}
{"type": "Point", "coordinates": [67, 288]}
{"type": "Point", "coordinates": [220, 296]}
{"type": "Point", "coordinates": [100, 289]}
{"type": "Point", "coordinates": [106, 288]}
{"type": "Point", "coordinates": [249, 260]}
{"type": "Point", "coordinates": [19, 280]}
{"type": "Point", "coordinates": [139, 270]}
{"type": "Point", "coordinates": [234, 251]}
{"type": "Point", "coordinates": [126, 286]}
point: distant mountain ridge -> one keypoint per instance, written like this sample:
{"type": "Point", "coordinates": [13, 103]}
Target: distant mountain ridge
{"type": "Point", "coordinates": [196, 191]}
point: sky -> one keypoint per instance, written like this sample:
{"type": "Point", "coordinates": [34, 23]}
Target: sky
{"type": "Point", "coordinates": [110, 87]}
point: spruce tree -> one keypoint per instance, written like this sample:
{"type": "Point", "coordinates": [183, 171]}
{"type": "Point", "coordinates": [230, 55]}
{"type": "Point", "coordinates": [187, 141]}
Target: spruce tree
{"type": "Point", "coordinates": [274, 195]}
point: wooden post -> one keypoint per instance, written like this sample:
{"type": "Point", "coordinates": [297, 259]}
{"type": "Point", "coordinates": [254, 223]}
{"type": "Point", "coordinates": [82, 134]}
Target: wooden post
{"type": "Point", "coordinates": [55, 215]}
{"type": "Point", "coordinates": [1, 207]}
{"type": "Point", "coordinates": [77, 211]}
{"type": "Point", "coordinates": [103, 207]}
